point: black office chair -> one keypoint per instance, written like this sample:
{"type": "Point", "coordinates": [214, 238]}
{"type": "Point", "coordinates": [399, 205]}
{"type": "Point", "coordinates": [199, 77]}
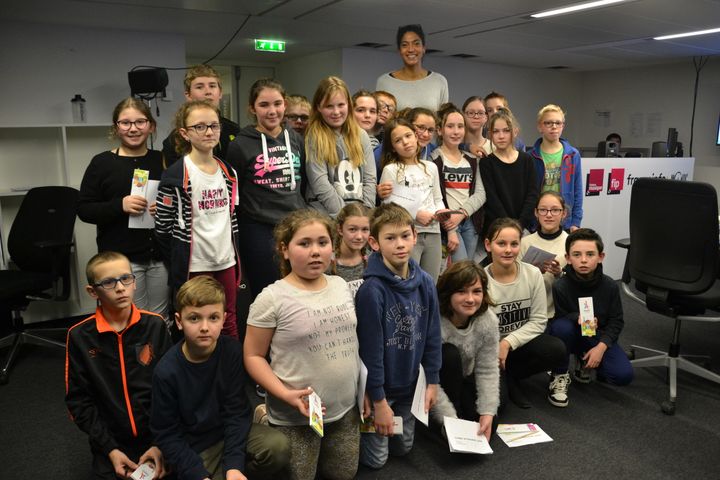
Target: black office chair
{"type": "Point", "coordinates": [674, 265]}
{"type": "Point", "coordinates": [40, 246]}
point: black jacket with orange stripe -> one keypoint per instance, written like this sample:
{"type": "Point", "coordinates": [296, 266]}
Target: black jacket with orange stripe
{"type": "Point", "coordinates": [108, 378]}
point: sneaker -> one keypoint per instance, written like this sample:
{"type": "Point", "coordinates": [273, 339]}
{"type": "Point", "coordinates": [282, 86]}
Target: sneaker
{"type": "Point", "coordinates": [260, 415]}
{"type": "Point", "coordinates": [558, 390]}
{"type": "Point", "coordinates": [582, 375]}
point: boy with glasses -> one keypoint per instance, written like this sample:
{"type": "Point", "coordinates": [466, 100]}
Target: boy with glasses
{"type": "Point", "coordinates": [297, 113]}
{"type": "Point", "coordinates": [558, 164]}
{"type": "Point", "coordinates": [386, 108]}
{"type": "Point", "coordinates": [202, 82]}
{"type": "Point", "coordinates": [109, 362]}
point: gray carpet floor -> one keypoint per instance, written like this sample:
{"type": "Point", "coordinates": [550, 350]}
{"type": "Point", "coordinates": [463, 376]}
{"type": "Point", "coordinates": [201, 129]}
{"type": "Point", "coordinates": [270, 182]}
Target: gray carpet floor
{"type": "Point", "coordinates": [605, 432]}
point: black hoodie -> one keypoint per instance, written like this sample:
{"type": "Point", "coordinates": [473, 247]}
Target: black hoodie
{"type": "Point", "coordinates": [268, 191]}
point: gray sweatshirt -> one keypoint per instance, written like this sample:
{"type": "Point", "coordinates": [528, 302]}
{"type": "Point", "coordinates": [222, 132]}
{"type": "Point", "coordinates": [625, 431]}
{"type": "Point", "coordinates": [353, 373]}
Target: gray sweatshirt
{"type": "Point", "coordinates": [478, 345]}
{"type": "Point", "coordinates": [331, 187]}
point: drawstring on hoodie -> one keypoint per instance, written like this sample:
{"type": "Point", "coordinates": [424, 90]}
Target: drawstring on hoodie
{"type": "Point", "coordinates": [288, 152]}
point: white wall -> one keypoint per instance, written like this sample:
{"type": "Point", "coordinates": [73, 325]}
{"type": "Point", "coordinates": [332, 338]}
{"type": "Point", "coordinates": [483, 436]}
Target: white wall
{"type": "Point", "coordinates": [44, 66]}
{"type": "Point", "coordinates": [664, 90]}
{"type": "Point", "coordinates": [527, 89]}
{"type": "Point", "coordinates": [302, 75]}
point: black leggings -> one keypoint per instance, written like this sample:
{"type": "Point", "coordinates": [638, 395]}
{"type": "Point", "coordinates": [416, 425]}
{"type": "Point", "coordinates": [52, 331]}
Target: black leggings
{"type": "Point", "coordinates": [541, 354]}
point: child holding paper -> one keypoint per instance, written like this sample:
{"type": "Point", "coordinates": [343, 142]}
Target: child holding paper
{"type": "Point", "coordinates": [461, 185]}
{"type": "Point", "coordinates": [399, 331]}
{"type": "Point", "coordinates": [109, 363]}
{"type": "Point", "coordinates": [469, 373]}
{"type": "Point", "coordinates": [584, 278]}
{"type": "Point", "coordinates": [420, 181]}
{"type": "Point", "coordinates": [550, 212]}
{"type": "Point", "coordinates": [106, 200]}
{"type": "Point", "coordinates": [307, 322]}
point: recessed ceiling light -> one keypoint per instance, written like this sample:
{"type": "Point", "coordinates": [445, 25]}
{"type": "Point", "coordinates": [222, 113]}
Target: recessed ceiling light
{"type": "Point", "coordinates": [575, 8]}
{"type": "Point", "coordinates": [688, 34]}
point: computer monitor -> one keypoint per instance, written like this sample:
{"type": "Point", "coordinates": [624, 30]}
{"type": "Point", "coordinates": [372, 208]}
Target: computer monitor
{"type": "Point", "coordinates": [608, 149]}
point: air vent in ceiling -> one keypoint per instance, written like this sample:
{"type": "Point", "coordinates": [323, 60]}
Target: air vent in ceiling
{"type": "Point", "coordinates": [558, 67]}
{"type": "Point", "coordinates": [463, 55]}
{"type": "Point", "coordinates": [429, 51]}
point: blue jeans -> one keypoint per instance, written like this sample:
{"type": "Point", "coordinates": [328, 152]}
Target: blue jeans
{"type": "Point", "coordinates": [374, 448]}
{"type": "Point", "coordinates": [614, 367]}
{"type": "Point", "coordinates": [468, 238]}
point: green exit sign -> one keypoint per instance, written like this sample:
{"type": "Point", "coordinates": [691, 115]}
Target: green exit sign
{"type": "Point", "coordinates": [270, 45]}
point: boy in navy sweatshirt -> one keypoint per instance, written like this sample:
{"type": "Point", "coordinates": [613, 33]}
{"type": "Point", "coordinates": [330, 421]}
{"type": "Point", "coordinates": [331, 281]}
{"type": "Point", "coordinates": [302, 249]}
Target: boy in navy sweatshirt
{"type": "Point", "coordinates": [398, 330]}
{"type": "Point", "coordinates": [200, 414]}
{"type": "Point", "coordinates": [109, 364]}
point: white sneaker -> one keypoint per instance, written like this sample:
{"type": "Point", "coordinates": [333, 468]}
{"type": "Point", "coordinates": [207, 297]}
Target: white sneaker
{"type": "Point", "coordinates": [558, 389]}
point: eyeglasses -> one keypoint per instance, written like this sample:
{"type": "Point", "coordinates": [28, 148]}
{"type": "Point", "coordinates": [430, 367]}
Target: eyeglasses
{"type": "Point", "coordinates": [552, 211]}
{"type": "Point", "coordinates": [423, 129]}
{"type": "Point", "coordinates": [551, 123]}
{"type": "Point", "coordinates": [109, 283]}
{"type": "Point", "coordinates": [140, 123]}
{"type": "Point", "coordinates": [386, 106]}
{"type": "Point", "coordinates": [295, 118]}
{"type": "Point", "coordinates": [201, 128]}
{"type": "Point", "coordinates": [473, 114]}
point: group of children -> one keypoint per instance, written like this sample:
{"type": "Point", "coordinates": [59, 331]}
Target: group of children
{"type": "Point", "coordinates": [334, 285]}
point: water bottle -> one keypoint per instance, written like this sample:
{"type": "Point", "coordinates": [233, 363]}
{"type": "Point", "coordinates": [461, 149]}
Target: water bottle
{"type": "Point", "coordinates": [79, 111]}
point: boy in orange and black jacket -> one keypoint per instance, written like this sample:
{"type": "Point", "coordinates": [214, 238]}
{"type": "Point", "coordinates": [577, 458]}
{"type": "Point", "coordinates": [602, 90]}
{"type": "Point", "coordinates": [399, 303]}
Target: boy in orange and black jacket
{"type": "Point", "coordinates": [109, 362]}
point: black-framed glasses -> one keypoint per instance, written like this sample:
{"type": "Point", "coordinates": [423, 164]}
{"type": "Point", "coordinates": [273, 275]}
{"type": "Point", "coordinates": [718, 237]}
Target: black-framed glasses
{"type": "Point", "coordinates": [140, 123]}
{"type": "Point", "coordinates": [201, 128]}
{"type": "Point", "coordinates": [386, 106]}
{"type": "Point", "coordinates": [109, 283]}
{"type": "Point", "coordinates": [552, 211]}
{"type": "Point", "coordinates": [553, 123]}
{"type": "Point", "coordinates": [423, 129]}
{"type": "Point", "coordinates": [475, 114]}
{"type": "Point", "coordinates": [295, 118]}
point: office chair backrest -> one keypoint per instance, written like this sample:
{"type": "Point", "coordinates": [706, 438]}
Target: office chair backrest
{"type": "Point", "coordinates": [674, 235]}
{"type": "Point", "coordinates": [46, 215]}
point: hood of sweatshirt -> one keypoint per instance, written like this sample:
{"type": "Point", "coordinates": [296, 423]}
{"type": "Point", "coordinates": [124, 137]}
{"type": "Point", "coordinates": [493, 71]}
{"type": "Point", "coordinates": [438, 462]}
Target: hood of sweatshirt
{"type": "Point", "coordinates": [377, 268]}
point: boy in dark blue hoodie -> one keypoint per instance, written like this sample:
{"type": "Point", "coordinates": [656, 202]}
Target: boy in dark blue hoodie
{"type": "Point", "coordinates": [398, 330]}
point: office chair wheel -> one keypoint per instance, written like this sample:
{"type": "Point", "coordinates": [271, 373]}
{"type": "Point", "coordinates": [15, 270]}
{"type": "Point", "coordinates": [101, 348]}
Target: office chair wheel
{"type": "Point", "coordinates": [668, 407]}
